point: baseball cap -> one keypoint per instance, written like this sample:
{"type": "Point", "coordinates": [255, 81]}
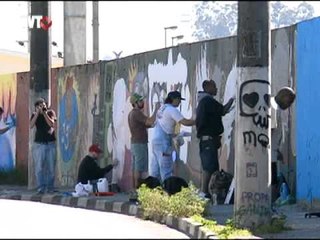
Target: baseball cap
{"type": "Point", "coordinates": [95, 148]}
{"type": "Point", "coordinates": [175, 95]}
{"type": "Point", "coordinates": [135, 98]}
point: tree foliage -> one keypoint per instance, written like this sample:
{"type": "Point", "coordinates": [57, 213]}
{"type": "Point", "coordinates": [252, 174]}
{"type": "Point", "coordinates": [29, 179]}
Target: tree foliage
{"type": "Point", "coordinates": [214, 19]}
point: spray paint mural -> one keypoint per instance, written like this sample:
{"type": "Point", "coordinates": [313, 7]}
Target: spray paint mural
{"type": "Point", "coordinates": [92, 103]}
{"type": "Point", "coordinates": [8, 94]}
{"type": "Point", "coordinates": [162, 80]}
{"type": "Point", "coordinates": [153, 75]}
{"type": "Point", "coordinates": [68, 119]}
{"type": "Point", "coordinates": [78, 91]}
{"type": "Point", "coordinates": [68, 125]}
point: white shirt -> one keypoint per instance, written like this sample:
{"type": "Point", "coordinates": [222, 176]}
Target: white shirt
{"type": "Point", "coordinates": [167, 117]}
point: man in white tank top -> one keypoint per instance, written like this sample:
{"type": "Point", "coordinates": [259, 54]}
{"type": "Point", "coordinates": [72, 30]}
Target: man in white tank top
{"type": "Point", "coordinates": [162, 147]}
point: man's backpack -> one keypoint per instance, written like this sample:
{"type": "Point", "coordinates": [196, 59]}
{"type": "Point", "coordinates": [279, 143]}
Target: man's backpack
{"type": "Point", "coordinates": [219, 184]}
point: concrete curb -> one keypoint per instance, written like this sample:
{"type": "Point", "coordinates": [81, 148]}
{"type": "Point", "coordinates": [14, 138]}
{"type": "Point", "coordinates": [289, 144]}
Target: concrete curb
{"type": "Point", "coordinates": [184, 225]}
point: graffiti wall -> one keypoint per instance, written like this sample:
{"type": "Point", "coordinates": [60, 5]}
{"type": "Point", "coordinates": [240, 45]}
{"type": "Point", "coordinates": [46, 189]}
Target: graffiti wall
{"type": "Point", "coordinates": [92, 105]}
{"type": "Point", "coordinates": [77, 108]}
{"type": "Point", "coordinates": [308, 116]}
{"type": "Point", "coordinates": [184, 68]}
{"type": "Point", "coordinates": [8, 94]}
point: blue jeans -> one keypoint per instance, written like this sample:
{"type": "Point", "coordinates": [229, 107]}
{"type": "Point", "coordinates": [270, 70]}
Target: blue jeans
{"type": "Point", "coordinates": [44, 157]}
{"type": "Point", "coordinates": [162, 148]}
{"type": "Point", "coordinates": [139, 153]}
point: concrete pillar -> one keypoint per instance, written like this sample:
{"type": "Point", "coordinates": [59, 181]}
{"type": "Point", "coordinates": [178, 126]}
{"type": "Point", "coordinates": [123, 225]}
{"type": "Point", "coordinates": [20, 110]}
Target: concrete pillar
{"type": "Point", "coordinates": [253, 132]}
{"type": "Point", "coordinates": [74, 33]}
{"type": "Point", "coordinates": [95, 30]}
{"type": "Point", "coordinates": [40, 66]}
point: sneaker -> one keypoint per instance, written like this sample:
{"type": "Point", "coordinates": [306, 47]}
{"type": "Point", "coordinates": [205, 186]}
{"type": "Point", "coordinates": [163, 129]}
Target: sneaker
{"type": "Point", "coordinates": [40, 192]}
{"type": "Point", "coordinates": [205, 196]}
{"type": "Point", "coordinates": [52, 191]}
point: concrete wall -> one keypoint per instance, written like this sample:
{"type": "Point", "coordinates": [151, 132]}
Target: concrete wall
{"type": "Point", "coordinates": [92, 104]}
{"type": "Point", "coordinates": [283, 73]}
{"type": "Point", "coordinates": [78, 105]}
{"type": "Point", "coordinates": [308, 116]}
{"type": "Point", "coordinates": [153, 74]}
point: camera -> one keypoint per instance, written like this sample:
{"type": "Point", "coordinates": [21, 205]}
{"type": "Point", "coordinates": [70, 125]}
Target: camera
{"type": "Point", "coordinates": [44, 109]}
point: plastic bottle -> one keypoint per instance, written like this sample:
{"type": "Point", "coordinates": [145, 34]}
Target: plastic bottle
{"type": "Point", "coordinates": [284, 191]}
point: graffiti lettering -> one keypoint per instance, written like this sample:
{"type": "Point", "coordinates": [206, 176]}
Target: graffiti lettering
{"type": "Point", "coordinates": [249, 134]}
{"type": "Point", "coordinates": [251, 138]}
{"type": "Point", "coordinates": [253, 209]}
{"type": "Point", "coordinates": [252, 170]}
{"type": "Point", "coordinates": [263, 140]}
{"type": "Point", "coordinates": [252, 45]}
{"type": "Point", "coordinates": [94, 108]}
{"type": "Point", "coordinates": [254, 197]}
{"type": "Point", "coordinates": [67, 179]}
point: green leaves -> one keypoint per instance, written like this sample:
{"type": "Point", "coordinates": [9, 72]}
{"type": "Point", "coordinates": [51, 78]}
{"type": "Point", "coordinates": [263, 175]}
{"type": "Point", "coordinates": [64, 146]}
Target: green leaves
{"type": "Point", "coordinates": [156, 202]}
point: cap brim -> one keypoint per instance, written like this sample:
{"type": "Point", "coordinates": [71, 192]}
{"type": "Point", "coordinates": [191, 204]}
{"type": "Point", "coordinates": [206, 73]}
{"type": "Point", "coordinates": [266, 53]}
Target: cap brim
{"type": "Point", "coordinates": [182, 98]}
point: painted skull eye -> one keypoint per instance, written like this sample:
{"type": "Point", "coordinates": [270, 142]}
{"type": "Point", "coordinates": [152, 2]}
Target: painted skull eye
{"type": "Point", "coordinates": [267, 99]}
{"type": "Point", "coordinates": [251, 99]}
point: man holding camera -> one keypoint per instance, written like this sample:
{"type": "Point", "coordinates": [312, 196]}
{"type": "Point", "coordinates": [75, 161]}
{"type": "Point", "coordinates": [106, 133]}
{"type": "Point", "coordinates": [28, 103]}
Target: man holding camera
{"type": "Point", "coordinates": [44, 147]}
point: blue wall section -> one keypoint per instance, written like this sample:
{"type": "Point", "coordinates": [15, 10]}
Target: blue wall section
{"type": "Point", "coordinates": [308, 110]}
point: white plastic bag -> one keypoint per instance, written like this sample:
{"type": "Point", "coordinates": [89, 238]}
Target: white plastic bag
{"type": "Point", "coordinates": [82, 190]}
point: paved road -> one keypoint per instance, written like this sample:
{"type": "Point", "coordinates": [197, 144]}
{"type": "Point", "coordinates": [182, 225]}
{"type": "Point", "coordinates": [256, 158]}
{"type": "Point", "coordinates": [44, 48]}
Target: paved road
{"type": "Point", "coordinates": [23, 219]}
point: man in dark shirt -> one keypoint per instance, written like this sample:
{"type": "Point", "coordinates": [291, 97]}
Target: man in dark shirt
{"type": "Point", "coordinates": [44, 147]}
{"type": "Point", "coordinates": [89, 169]}
{"type": "Point", "coordinates": [209, 129]}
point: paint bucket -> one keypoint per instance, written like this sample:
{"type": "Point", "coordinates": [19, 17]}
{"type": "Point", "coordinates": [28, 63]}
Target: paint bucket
{"type": "Point", "coordinates": [103, 185]}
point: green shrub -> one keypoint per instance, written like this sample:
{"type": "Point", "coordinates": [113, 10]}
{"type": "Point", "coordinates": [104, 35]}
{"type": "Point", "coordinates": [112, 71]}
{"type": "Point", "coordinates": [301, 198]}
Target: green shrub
{"type": "Point", "coordinates": [229, 231]}
{"type": "Point", "coordinates": [186, 203]}
{"type": "Point", "coordinates": [156, 202]}
{"type": "Point", "coordinates": [277, 225]}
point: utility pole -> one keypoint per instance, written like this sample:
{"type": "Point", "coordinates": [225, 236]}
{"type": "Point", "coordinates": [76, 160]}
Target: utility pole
{"type": "Point", "coordinates": [95, 30]}
{"type": "Point", "coordinates": [40, 64]}
{"type": "Point", "coordinates": [40, 53]}
{"type": "Point", "coordinates": [29, 31]}
{"type": "Point", "coordinates": [253, 132]}
{"type": "Point", "coordinates": [74, 49]}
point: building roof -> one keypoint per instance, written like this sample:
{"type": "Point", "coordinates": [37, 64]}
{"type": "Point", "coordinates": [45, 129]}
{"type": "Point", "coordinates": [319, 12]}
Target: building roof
{"type": "Point", "coordinates": [14, 62]}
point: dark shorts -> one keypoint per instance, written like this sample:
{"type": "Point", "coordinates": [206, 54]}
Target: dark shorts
{"type": "Point", "coordinates": [209, 155]}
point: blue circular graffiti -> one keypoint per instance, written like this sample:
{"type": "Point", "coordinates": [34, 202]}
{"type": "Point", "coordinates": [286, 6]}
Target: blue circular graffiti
{"type": "Point", "coordinates": [68, 124]}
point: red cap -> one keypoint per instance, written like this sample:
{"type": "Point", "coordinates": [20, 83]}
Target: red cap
{"type": "Point", "coordinates": [95, 148]}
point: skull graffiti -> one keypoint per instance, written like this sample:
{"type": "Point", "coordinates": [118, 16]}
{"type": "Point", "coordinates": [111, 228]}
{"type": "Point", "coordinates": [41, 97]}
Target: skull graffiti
{"type": "Point", "coordinates": [254, 102]}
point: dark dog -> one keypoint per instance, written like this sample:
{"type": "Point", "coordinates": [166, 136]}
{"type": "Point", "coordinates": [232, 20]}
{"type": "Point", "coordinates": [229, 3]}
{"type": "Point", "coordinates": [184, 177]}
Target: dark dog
{"type": "Point", "coordinates": [174, 184]}
{"type": "Point", "coordinates": [151, 182]}
{"type": "Point", "coordinates": [219, 185]}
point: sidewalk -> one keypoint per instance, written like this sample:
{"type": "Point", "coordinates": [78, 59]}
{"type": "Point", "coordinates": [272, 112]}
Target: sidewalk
{"type": "Point", "coordinates": [119, 203]}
